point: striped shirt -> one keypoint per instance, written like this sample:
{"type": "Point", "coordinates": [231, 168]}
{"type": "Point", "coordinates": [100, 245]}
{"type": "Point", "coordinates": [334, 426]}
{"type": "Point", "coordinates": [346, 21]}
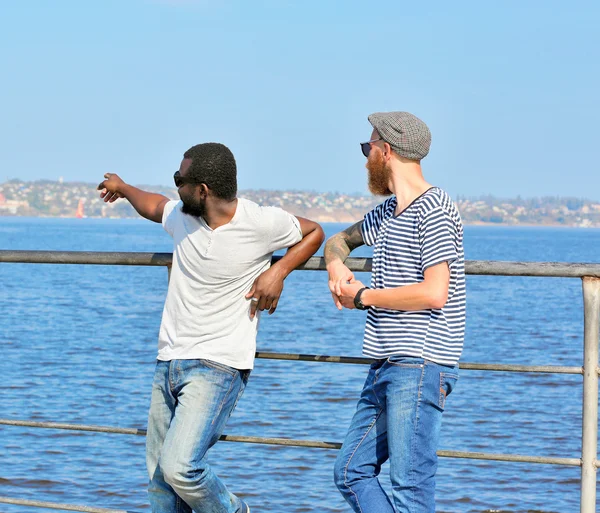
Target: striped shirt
{"type": "Point", "coordinates": [428, 232]}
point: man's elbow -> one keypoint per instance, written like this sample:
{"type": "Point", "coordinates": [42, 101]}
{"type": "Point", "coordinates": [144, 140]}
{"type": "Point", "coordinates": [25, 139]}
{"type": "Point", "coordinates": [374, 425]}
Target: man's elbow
{"type": "Point", "coordinates": [312, 232]}
{"type": "Point", "coordinates": [312, 239]}
{"type": "Point", "coordinates": [438, 300]}
{"type": "Point", "coordinates": [319, 235]}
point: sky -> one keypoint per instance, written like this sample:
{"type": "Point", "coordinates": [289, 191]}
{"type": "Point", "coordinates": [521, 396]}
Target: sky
{"type": "Point", "coordinates": [509, 89]}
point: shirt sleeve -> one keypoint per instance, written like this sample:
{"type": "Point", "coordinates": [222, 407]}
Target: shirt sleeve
{"type": "Point", "coordinates": [438, 239]}
{"type": "Point", "coordinates": [372, 222]}
{"type": "Point", "coordinates": [171, 214]}
{"type": "Point", "coordinates": [284, 229]}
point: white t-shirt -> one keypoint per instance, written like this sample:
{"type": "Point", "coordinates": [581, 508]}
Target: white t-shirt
{"type": "Point", "coordinates": [206, 314]}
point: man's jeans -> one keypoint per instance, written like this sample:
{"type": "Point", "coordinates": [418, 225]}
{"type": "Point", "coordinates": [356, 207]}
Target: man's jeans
{"type": "Point", "coordinates": [191, 402]}
{"type": "Point", "coordinates": [398, 417]}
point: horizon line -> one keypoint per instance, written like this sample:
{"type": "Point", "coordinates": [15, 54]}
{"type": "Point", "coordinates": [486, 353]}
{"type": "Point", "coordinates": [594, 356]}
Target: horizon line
{"type": "Point", "coordinates": [457, 197]}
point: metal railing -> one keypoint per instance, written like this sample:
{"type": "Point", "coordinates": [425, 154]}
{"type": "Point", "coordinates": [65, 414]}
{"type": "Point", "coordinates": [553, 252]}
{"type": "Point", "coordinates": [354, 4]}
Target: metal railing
{"type": "Point", "coordinates": [589, 273]}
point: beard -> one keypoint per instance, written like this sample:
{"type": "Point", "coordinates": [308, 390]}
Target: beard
{"type": "Point", "coordinates": [194, 208]}
{"type": "Point", "coordinates": [379, 174]}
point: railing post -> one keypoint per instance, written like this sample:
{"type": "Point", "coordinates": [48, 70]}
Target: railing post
{"type": "Point", "coordinates": [589, 442]}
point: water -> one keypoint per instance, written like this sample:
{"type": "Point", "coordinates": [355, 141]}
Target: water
{"type": "Point", "coordinates": [79, 345]}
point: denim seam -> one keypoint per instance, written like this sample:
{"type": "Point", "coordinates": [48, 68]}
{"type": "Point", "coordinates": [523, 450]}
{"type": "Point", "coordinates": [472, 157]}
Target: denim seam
{"type": "Point", "coordinates": [171, 387]}
{"type": "Point", "coordinates": [352, 455]}
{"type": "Point", "coordinates": [216, 416]}
{"type": "Point", "coordinates": [239, 396]}
{"type": "Point", "coordinates": [219, 366]}
{"type": "Point", "coordinates": [375, 376]}
{"type": "Point", "coordinates": [414, 438]}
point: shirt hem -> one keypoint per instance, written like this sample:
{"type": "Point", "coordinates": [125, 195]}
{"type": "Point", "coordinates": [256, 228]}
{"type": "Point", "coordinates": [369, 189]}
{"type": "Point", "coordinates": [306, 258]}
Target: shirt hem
{"type": "Point", "coordinates": [244, 365]}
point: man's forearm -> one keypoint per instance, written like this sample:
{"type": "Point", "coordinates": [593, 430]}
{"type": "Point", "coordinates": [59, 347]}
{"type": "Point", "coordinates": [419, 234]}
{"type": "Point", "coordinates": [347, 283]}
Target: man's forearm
{"type": "Point", "coordinates": [418, 296]}
{"type": "Point", "coordinates": [336, 248]}
{"type": "Point", "coordinates": [300, 253]}
{"type": "Point", "coordinates": [342, 244]}
{"type": "Point", "coordinates": [145, 203]}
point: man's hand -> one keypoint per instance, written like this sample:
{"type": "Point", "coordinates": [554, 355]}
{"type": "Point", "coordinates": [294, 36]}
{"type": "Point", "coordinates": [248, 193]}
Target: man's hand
{"type": "Point", "coordinates": [147, 204]}
{"type": "Point", "coordinates": [109, 188]}
{"type": "Point", "coordinates": [339, 275]}
{"type": "Point", "coordinates": [265, 292]}
{"type": "Point", "coordinates": [348, 292]}
{"type": "Point", "coordinates": [336, 251]}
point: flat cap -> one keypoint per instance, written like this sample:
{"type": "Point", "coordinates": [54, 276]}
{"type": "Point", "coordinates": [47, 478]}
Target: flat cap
{"type": "Point", "coordinates": [408, 136]}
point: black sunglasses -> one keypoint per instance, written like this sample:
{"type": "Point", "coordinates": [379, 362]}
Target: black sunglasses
{"type": "Point", "coordinates": [366, 146]}
{"type": "Point", "coordinates": [182, 180]}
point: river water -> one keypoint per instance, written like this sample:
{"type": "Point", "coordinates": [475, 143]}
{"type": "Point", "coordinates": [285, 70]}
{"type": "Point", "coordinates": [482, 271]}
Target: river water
{"type": "Point", "coordinates": [79, 346]}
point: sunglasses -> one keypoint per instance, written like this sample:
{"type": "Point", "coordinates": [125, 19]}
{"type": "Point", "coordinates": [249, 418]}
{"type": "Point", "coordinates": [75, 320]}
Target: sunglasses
{"type": "Point", "coordinates": [182, 180]}
{"type": "Point", "coordinates": [366, 146]}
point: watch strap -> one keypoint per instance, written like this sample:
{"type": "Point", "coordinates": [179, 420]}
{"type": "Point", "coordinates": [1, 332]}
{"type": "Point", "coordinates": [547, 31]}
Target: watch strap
{"type": "Point", "coordinates": [357, 301]}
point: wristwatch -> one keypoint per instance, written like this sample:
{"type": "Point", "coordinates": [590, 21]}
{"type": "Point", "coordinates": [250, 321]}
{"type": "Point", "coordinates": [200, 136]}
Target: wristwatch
{"type": "Point", "coordinates": [358, 302]}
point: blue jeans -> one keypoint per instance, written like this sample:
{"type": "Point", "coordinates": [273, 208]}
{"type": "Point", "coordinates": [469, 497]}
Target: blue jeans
{"type": "Point", "coordinates": [191, 403]}
{"type": "Point", "coordinates": [398, 416]}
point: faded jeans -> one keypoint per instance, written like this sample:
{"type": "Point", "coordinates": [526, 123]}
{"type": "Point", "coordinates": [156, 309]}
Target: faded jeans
{"type": "Point", "coordinates": [191, 403]}
{"type": "Point", "coordinates": [398, 417]}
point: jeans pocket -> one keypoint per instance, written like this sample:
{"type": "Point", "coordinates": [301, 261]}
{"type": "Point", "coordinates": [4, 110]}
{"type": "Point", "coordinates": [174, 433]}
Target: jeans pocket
{"type": "Point", "coordinates": [220, 367]}
{"type": "Point", "coordinates": [244, 375]}
{"type": "Point", "coordinates": [447, 382]}
{"type": "Point", "coordinates": [406, 361]}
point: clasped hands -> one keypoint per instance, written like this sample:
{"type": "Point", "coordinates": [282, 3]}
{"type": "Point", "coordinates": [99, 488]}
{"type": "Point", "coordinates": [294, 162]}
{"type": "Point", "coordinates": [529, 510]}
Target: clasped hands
{"type": "Point", "coordinates": [342, 285]}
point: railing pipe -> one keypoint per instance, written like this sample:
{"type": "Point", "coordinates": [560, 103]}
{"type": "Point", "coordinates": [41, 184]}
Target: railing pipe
{"type": "Point", "coordinates": [589, 441]}
{"type": "Point", "coordinates": [292, 442]}
{"type": "Point", "coordinates": [499, 367]}
{"type": "Point", "coordinates": [56, 505]}
{"type": "Point", "coordinates": [477, 267]}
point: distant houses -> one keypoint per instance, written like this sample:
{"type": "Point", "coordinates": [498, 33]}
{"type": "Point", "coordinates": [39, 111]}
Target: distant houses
{"type": "Point", "coordinates": [75, 199]}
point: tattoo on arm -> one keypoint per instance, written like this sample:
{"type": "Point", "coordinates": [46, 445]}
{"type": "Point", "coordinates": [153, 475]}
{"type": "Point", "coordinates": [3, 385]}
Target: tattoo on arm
{"type": "Point", "coordinates": [354, 236]}
{"type": "Point", "coordinates": [342, 244]}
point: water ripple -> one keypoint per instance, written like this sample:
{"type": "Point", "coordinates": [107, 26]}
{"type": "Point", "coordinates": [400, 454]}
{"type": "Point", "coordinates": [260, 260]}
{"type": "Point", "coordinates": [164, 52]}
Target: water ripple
{"type": "Point", "coordinates": [78, 351]}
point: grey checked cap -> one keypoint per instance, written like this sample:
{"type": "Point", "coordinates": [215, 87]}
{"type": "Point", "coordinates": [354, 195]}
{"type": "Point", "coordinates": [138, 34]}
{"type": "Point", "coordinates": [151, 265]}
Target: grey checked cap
{"type": "Point", "coordinates": [408, 136]}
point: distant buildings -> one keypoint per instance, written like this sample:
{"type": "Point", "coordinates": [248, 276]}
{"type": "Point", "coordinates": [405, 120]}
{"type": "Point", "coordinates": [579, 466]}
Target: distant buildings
{"type": "Point", "coordinates": [74, 199]}
{"type": "Point", "coordinates": [11, 207]}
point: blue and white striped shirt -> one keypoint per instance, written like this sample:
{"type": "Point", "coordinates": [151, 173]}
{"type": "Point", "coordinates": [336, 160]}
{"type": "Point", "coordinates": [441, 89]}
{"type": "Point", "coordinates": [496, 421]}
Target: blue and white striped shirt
{"type": "Point", "coordinates": [428, 232]}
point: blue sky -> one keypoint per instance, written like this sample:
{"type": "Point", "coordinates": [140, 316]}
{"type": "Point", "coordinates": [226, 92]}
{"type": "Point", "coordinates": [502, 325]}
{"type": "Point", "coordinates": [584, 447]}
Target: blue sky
{"type": "Point", "coordinates": [508, 88]}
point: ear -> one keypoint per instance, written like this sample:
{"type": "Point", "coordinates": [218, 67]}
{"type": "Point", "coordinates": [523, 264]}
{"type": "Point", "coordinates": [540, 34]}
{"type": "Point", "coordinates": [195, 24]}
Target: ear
{"type": "Point", "coordinates": [387, 151]}
{"type": "Point", "coordinates": [203, 190]}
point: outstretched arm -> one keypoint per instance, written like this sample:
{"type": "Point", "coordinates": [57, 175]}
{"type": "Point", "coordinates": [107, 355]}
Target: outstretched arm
{"type": "Point", "coordinates": [337, 250]}
{"type": "Point", "coordinates": [268, 286]}
{"type": "Point", "coordinates": [147, 204]}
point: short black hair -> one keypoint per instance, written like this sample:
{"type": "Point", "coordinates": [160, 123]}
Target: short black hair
{"type": "Point", "coordinates": [214, 165]}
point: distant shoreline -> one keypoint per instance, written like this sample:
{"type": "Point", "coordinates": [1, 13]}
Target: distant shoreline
{"type": "Point", "coordinates": [318, 220]}
{"type": "Point", "coordinates": [66, 200]}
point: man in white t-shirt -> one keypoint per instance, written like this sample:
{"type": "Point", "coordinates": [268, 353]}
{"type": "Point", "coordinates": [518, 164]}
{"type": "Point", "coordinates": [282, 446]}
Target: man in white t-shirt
{"type": "Point", "coordinates": [220, 281]}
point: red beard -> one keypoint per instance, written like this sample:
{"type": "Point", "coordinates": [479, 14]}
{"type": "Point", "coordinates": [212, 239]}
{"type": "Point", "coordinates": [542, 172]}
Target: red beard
{"type": "Point", "coordinates": [379, 174]}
